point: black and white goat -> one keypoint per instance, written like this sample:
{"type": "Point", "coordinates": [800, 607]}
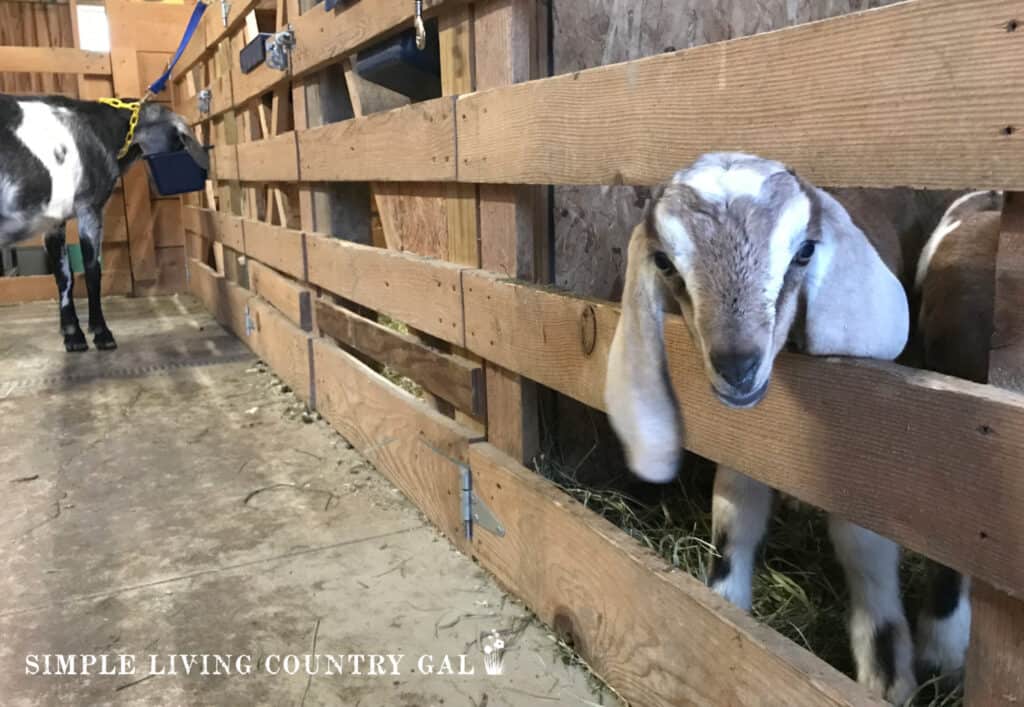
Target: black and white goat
{"type": "Point", "coordinates": [755, 258]}
{"type": "Point", "coordinates": [59, 159]}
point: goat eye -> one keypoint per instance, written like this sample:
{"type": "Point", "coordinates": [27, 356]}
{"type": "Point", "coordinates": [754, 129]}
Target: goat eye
{"type": "Point", "coordinates": [664, 264]}
{"type": "Point", "coordinates": [803, 256]}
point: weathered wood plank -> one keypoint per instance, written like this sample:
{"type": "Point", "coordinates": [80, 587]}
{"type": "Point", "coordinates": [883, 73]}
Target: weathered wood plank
{"type": "Point", "coordinates": [285, 347]}
{"type": "Point", "coordinates": [281, 248]}
{"type": "Point", "coordinates": [211, 31]}
{"type": "Point", "coordinates": [452, 378]}
{"type": "Point", "coordinates": [412, 445]}
{"type": "Point", "coordinates": [61, 60]}
{"type": "Point", "coordinates": [877, 443]}
{"type": "Point", "coordinates": [226, 301]}
{"type": "Point", "coordinates": [630, 616]}
{"type": "Point", "coordinates": [34, 288]}
{"type": "Point", "coordinates": [995, 657]}
{"type": "Point", "coordinates": [273, 159]}
{"type": "Point", "coordinates": [324, 37]}
{"type": "Point", "coordinates": [416, 142]}
{"type": "Point", "coordinates": [290, 298]}
{"type": "Point", "coordinates": [425, 294]}
{"type": "Point", "coordinates": [922, 94]}
{"type": "Point", "coordinates": [216, 226]}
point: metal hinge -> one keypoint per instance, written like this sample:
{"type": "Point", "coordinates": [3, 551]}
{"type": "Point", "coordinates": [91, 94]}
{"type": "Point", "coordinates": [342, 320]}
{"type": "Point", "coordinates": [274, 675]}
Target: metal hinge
{"type": "Point", "coordinates": [474, 511]}
{"type": "Point", "coordinates": [204, 97]}
{"type": "Point", "coordinates": [279, 47]}
{"type": "Point", "coordinates": [249, 326]}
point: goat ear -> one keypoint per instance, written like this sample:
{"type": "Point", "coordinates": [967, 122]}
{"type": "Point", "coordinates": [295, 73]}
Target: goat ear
{"type": "Point", "coordinates": [638, 393]}
{"type": "Point", "coordinates": [856, 306]}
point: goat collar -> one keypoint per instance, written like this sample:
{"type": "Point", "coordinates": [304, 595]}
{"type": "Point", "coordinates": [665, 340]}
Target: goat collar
{"type": "Point", "coordinates": [133, 121]}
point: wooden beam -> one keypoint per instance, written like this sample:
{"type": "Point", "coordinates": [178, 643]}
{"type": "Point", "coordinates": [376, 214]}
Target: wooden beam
{"type": "Point", "coordinates": [425, 294]}
{"type": "Point", "coordinates": [226, 301]}
{"type": "Point", "coordinates": [870, 441]}
{"type": "Point", "coordinates": [290, 298]}
{"type": "Point", "coordinates": [412, 143]}
{"type": "Point", "coordinates": [211, 31]}
{"type": "Point", "coordinates": [325, 37]}
{"type": "Point", "coordinates": [58, 60]}
{"type": "Point", "coordinates": [628, 614]}
{"type": "Point", "coordinates": [1006, 362]}
{"type": "Point", "coordinates": [452, 378]}
{"type": "Point", "coordinates": [875, 98]}
{"type": "Point", "coordinates": [216, 226]}
{"type": "Point", "coordinates": [272, 159]}
{"type": "Point", "coordinates": [281, 248]}
{"type": "Point", "coordinates": [286, 348]}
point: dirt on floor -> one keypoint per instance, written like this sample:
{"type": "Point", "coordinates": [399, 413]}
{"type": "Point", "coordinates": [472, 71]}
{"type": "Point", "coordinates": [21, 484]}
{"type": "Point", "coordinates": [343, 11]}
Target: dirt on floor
{"type": "Point", "coordinates": [172, 500]}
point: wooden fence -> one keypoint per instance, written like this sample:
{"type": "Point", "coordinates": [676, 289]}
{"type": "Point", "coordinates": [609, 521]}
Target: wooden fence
{"type": "Point", "coordinates": [925, 93]}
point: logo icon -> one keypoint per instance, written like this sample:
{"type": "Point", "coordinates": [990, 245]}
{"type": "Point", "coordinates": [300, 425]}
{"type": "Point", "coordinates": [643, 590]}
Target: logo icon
{"type": "Point", "coordinates": [494, 653]}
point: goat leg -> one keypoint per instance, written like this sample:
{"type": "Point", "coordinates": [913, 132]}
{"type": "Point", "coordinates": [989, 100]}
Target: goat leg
{"type": "Point", "coordinates": [60, 263]}
{"type": "Point", "coordinates": [90, 225]}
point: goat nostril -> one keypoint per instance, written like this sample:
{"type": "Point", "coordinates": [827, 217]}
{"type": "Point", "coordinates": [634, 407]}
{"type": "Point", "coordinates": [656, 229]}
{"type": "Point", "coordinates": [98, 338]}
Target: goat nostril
{"type": "Point", "coordinates": [739, 369]}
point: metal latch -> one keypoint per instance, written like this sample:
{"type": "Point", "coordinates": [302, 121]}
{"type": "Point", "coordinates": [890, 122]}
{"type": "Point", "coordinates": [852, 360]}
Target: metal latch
{"type": "Point", "coordinates": [250, 327]}
{"type": "Point", "coordinates": [279, 47]}
{"type": "Point", "coordinates": [421, 29]}
{"type": "Point", "coordinates": [204, 97]}
{"type": "Point", "coordinates": [474, 511]}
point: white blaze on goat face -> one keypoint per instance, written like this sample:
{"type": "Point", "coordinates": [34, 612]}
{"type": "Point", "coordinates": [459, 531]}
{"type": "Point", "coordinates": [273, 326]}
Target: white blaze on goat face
{"type": "Point", "coordinates": [47, 137]}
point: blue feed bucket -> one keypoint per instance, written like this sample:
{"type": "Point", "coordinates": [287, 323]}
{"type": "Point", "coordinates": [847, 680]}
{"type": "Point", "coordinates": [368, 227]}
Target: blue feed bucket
{"type": "Point", "coordinates": [176, 173]}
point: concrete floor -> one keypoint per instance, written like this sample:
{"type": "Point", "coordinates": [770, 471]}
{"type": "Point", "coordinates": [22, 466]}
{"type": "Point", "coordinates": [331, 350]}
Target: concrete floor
{"type": "Point", "coordinates": [168, 498]}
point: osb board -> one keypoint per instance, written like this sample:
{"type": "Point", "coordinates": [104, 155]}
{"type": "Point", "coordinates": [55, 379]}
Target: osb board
{"type": "Point", "coordinates": [592, 224]}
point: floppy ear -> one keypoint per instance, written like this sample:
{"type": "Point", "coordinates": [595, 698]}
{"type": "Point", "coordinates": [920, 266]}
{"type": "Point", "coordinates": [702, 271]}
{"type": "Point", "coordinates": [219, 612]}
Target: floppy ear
{"type": "Point", "coordinates": [638, 393]}
{"type": "Point", "coordinates": [856, 306]}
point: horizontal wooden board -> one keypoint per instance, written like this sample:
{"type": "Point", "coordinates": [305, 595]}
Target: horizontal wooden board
{"type": "Point", "coordinates": [225, 300]}
{"type": "Point", "coordinates": [61, 60]}
{"type": "Point", "coordinates": [452, 378]}
{"type": "Point", "coordinates": [425, 294]}
{"type": "Point", "coordinates": [281, 248]}
{"type": "Point", "coordinates": [284, 346]}
{"type": "Point", "coordinates": [414, 142]}
{"type": "Point", "coordinates": [876, 443]}
{"type": "Point", "coordinates": [324, 37]}
{"type": "Point", "coordinates": [215, 226]}
{"type": "Point", "coordinates": [290, 298]}
{"type": "Point", "coordinates": [262, 79]}
{"type": "Point", "coordinates": [274, 159]}
{"type": "Point", "coordinates": [415, 447]}
{"type": "Point", "coordinates": [34, 288]}
{"type": "Point", "coordinates": [211, 31]}
{"type": "Point", "coordinates": [925, 94]}
{"type": "Point", "coordinates": [629, 615]}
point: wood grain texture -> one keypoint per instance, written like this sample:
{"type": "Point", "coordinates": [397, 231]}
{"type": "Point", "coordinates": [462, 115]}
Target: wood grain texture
{"type": "Point", "coordinates": [452, 378]}
{"type": "Point", "coordinates": [633, 619]}
{"type": "Point", "coordinates": [863, 439]}
{"type": "Point", "coordinates": [414, 217]}
{"type": "Point", "coordinates": [1006, 361]}
{"type": "Point", "coordinates": [216, 226]}
{"type": "Point", "coordinates": [273, 159]}
{"type": "Point", "coordinates": [225, 300]}
{"type": "Point", "coordinates": [416, 142]}
{"type": "Point", "coordinates": [211, 32]}
{"type": "Point", "coordinates": [412, 445]}
{"type": "Point", "coordinates": [35, 288]}
{"type": "Point", "coordinates": [284, 347]}
{"type": "Point", "coordinates": [995, 657]}
{"type": "Point", "coordinates": [61, 60]}
{"type": "Point", "coordinates": [323, 37]}
{"type": "Point", "coordinates": [288, 296]}
{"type": "Point", "coordinates": [281, 248]}
{"type": "Point", "coordinates": [257, 82]}
{"type": "Point", "coordinates": [873, 99]}
{"type": "Point", "coordinates": [425, 294]}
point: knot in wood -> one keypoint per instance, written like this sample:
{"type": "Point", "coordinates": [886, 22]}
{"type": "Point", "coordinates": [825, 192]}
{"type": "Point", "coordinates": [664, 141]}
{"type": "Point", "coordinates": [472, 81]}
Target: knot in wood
{"type": "Point", "coordinates": [588, 330]}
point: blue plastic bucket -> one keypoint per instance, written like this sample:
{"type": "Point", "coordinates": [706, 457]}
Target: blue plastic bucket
{"type": "Point", "coordinates": [176, 173]}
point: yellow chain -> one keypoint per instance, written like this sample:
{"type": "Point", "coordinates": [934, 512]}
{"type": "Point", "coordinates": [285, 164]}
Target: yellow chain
{"type": "Point", "coordinates": [133, 121]}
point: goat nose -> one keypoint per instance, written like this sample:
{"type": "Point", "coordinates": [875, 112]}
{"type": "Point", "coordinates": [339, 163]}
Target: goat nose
{"type": "Point", "coordinates": [738, 368]}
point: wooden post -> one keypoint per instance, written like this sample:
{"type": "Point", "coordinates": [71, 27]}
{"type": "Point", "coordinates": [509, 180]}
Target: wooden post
{"type": "Point", "coordinates": [995, 660]}
{"type": "Point", "coordinates": [506, 53]}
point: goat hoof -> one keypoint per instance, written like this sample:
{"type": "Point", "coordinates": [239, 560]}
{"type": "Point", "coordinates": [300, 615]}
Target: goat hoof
{"type": "Point", "coordinates": [75, 342]}
{"type": "Point", "coordinates": [104, 340]}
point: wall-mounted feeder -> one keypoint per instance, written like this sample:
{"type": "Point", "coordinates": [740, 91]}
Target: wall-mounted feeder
{"type": "Point", "coordinates": [176, 172]}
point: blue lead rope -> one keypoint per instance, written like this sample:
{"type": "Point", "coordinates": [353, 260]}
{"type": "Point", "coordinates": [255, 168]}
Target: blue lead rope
{"type": "Point", "coordinates": [193, 23]}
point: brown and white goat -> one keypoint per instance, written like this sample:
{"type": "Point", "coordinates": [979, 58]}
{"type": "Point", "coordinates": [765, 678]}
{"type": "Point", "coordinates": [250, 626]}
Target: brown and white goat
{"type": "Point", "coordinates": [756, 259]}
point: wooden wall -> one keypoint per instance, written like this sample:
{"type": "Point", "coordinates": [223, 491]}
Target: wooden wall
{"type": "Point", "coordinates": [36, 24]}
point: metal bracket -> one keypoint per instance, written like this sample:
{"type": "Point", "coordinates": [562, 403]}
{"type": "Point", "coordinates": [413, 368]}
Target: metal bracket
{"type": "Point", "coordinates": [474, 510]}
{"type": "Point", "coordinates": [249, 326]}
{"type": "Point", "coordinates": [225, 11]}
{"type": "Point", "coordinates": [204, 97]}
{"type": "Point", "coordinates": [279, 47]}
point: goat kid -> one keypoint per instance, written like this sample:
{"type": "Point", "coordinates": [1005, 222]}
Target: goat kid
{"type": "Point", "coordinates": [60, 159]}
{"type": "Point", "coordinates": [756, 258]}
